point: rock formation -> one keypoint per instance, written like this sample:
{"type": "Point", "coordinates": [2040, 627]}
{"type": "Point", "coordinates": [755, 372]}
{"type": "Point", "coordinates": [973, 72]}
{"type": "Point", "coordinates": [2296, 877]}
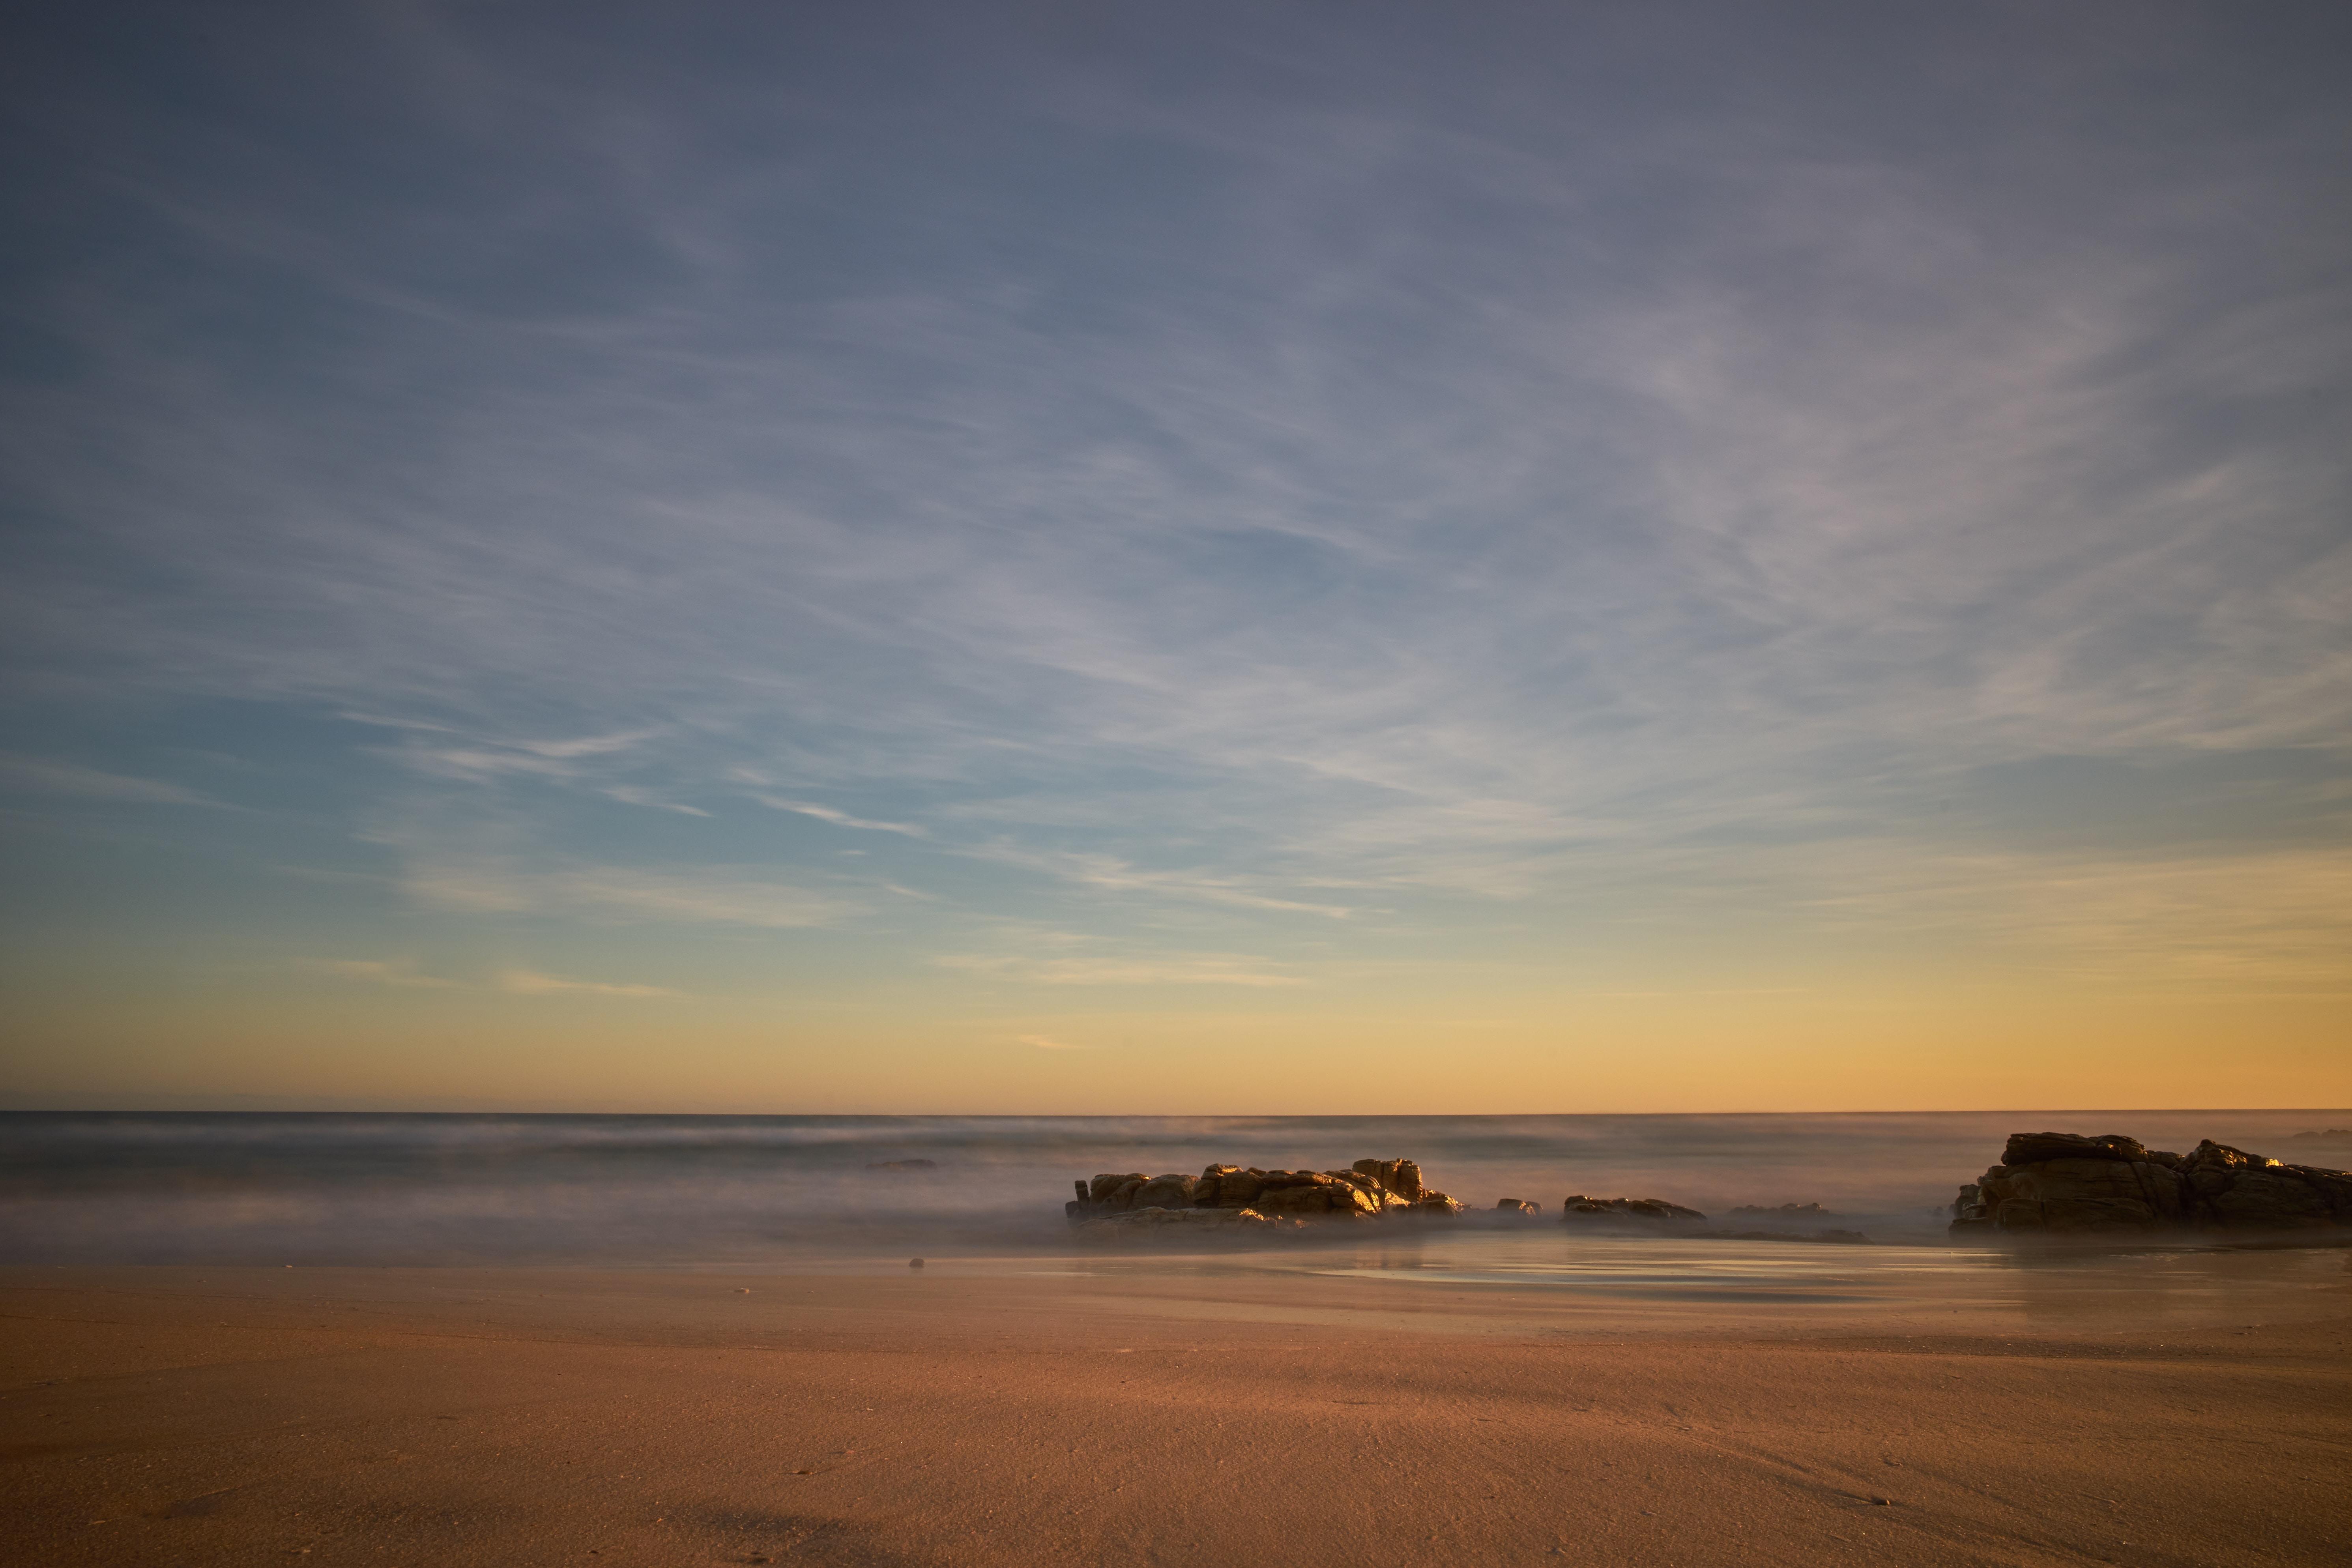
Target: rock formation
{"type": "Point", "coordinates": [1641, 1216]}
{"type": "Point", "coordinates": [1655, 1216]}
{"type": "Point", "coordinates": [2062, 1183]}
{"type": "Point", "coordinates": [1233, 1198]}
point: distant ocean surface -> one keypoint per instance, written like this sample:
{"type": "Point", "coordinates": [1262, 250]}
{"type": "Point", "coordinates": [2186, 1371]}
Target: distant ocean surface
{"type": "Point", "coordinates": [776, 1190]}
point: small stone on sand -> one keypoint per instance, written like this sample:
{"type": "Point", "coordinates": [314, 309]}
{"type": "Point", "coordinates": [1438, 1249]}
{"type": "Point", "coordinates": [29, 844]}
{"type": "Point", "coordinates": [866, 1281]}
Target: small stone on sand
{"type": "Point", "coordinates": [914, 1263]}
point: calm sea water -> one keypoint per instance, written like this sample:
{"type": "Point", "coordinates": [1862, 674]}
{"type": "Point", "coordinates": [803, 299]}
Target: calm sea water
{"type": "Point", "coordinates": [793, 1190]}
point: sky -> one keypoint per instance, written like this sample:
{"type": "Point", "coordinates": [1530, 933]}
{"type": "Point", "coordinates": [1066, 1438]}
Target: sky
{"type": "Point", "coordinates": [1205, 558]}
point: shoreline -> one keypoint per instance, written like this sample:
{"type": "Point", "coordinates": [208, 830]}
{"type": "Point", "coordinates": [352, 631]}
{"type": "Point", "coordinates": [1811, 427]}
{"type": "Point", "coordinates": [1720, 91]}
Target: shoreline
{"type": "Point", "coordinates": [965, 1415]}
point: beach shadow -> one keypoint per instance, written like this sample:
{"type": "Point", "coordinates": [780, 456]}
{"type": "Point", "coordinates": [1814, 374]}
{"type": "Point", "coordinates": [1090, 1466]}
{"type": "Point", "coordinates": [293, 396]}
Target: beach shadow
{"type": "Point", "coordinates": [753, 1535]}
{"type": "Point", "coordinates": [199, 1507]}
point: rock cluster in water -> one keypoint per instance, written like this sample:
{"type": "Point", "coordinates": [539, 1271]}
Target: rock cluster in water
{"type": "Point", "coordinates": [1231, 1197]}
{"type": "Point", "coordinates": [1629, 1213]}
{"type": "Point", "coordinates": [1783, 1211]}
{"type": "Point", "coordinates": [1655, 1216]}
{"type": "Point", "coordinates": [2064, 1183]}
{"type": "Point", "coordinates": [1232, 1200]}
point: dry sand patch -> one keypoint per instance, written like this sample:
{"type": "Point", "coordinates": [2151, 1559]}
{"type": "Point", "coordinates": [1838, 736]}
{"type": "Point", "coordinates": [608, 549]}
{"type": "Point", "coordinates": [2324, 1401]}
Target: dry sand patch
{"type": "Point", "coordinates": [487, 1417]}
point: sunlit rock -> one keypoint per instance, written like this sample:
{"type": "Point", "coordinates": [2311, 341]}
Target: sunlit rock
{"type": "Point", "coordinates": [1401, 1177]}
{"type": "Point", "coordinates": [1371, 1190]}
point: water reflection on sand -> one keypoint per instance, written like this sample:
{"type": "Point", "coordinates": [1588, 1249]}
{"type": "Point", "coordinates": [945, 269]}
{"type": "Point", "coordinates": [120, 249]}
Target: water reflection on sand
{"type": "Point", "coordinates": [1774, 1286]}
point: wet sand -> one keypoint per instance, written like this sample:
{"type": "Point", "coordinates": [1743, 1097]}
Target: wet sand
{"type": "Point", "coordinates": [520, 1416]}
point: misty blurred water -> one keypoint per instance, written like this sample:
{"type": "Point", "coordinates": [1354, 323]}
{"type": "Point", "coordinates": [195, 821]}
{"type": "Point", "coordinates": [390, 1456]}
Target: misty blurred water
{"type": "Point", "coordinates": [250, 1187]}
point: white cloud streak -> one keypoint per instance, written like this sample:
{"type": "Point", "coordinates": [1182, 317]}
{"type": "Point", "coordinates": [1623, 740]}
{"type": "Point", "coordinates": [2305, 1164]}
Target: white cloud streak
{"type": "Point", "coordinates": [840, 818]}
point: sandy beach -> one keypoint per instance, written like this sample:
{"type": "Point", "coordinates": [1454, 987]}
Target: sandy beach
{"type": "Point", "coordinates": [449, 1416]}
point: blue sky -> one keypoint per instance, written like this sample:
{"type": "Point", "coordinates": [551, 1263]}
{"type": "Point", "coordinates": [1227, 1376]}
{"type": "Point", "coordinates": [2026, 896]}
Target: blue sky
{"type": "Point", "coordinates": [1040, 523]}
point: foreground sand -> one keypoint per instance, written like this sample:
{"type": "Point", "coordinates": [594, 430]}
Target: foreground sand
{"type": "Point", "coordinates": [448, 1416]}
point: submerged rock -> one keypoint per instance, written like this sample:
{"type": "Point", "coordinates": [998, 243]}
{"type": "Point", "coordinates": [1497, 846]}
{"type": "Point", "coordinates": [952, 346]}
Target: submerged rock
{"type": "Point", "coordinates": [1159, 1223]}
{"type": "Point", "coordinates": [1646, 1216]}
{"type": "Point", "coordinates": [2064, 1183]}
{"type": "Point", "coordinates": [2036, 1148]}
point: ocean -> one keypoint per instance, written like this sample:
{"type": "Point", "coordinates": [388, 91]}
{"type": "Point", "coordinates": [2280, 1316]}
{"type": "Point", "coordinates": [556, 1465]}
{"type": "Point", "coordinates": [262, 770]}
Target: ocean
{"type": "Point", "coordinates": [780, 1190]}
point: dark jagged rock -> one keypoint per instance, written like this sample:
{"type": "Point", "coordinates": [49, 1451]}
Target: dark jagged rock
{"type": "Point", "coordinates": [1640, 1215]}
{"type": "Point", "coordinates": [1296, 1197]}
{"type": "Point", "coordinates": [1226, 1186]}
{"type": "Point", "coordinates": [1518, 1207]}
{"type": "Point", "coordinates": [1164, 1192]}
{"type": "Point", "coordinates": [2060, 1182]}
{"type": "Point", "coordinates": [1104, 1189]}
{"type": "Point", "coordinates": [2038, 1148]}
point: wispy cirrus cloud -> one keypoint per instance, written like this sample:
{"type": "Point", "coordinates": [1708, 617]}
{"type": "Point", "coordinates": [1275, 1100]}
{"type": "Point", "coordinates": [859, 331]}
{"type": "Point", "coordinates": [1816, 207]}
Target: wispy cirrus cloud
{"type": "Point", "coordinates": [529, 982]}
{"type": "Point", "coordinates": [2276, 918]}
{"type": "Point", "coordinates": [402, 972]}
{"type": "Point", "coordinates": [480, 759]}
{"type": "Point", "coordinates": [631, 795]}
{"type": "Point", "coordinates": [1109, 873]}
{"type": "Point", "coordinates": [1541, 463]}
{"type": "Point", "coordinates": [46, 776]}
{"type": "Point", "coordinates": [1123, 969]}
{"type": "Point", "coordinates": [840, 818]}
{"type": "Point", "coordinates": [611, 892]}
